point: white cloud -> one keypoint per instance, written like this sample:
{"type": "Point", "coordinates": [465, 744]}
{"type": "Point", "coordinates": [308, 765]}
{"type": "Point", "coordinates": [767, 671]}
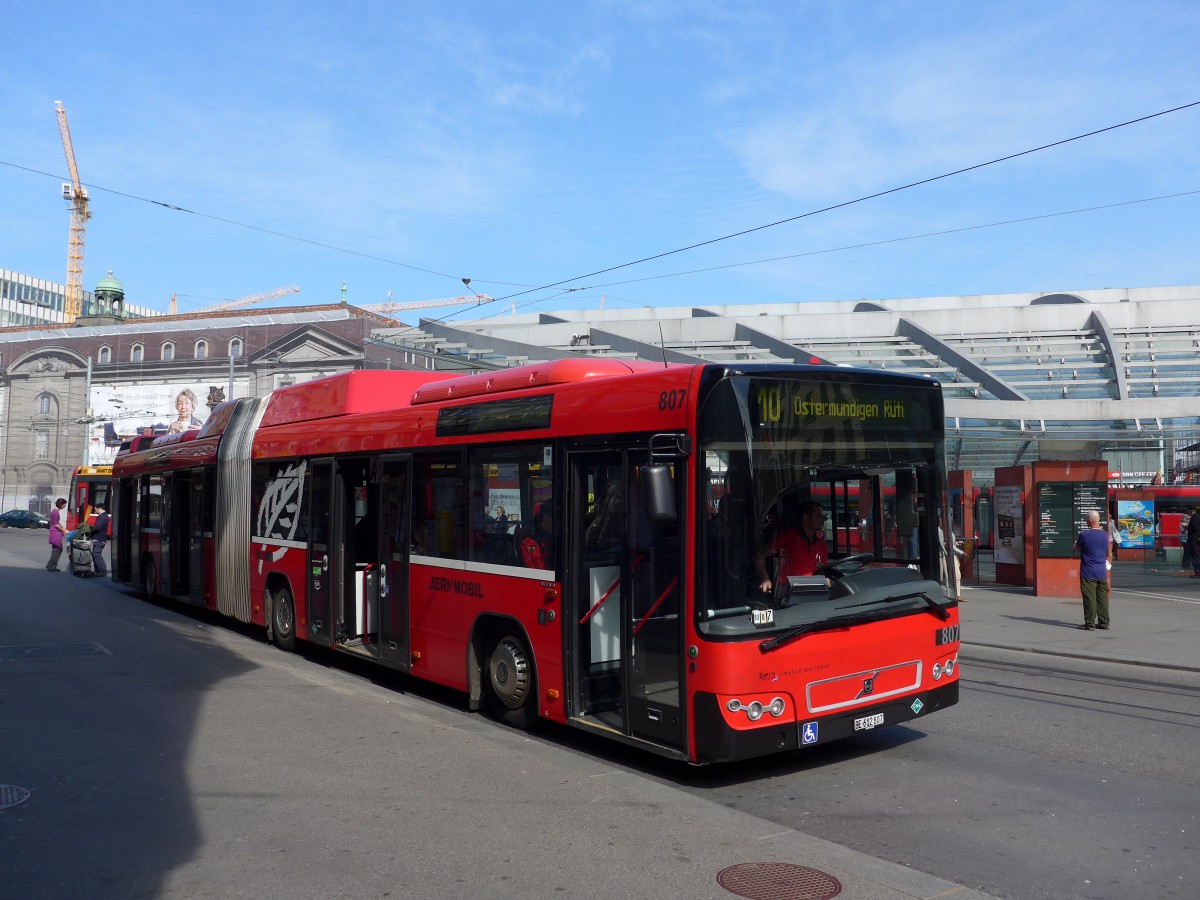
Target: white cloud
{"type": "Point", "coordinates": [912, 110]}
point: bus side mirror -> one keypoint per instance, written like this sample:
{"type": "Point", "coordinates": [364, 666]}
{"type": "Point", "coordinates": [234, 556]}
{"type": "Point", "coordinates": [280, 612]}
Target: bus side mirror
{"type": "Point", "coordinates": [659, 493]}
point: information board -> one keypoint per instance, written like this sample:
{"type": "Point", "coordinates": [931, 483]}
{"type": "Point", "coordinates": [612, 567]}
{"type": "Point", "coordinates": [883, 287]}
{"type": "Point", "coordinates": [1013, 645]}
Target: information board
{"type": "Point", "coordinates": [1090, 495]}
{"type": "Point", "coordinates": [1062, 513]}
{"type": "Point", "coordinates": [1056, 509]}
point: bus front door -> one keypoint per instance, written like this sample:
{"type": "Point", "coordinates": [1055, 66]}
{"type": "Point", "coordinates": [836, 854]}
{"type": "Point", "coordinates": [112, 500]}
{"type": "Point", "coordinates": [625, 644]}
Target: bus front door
{"type": "Point", "coordinates": [623, 602]}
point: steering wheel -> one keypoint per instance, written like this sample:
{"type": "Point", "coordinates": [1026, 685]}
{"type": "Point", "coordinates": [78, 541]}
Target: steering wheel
{"type": "Point", "coordinates": [834, 567]}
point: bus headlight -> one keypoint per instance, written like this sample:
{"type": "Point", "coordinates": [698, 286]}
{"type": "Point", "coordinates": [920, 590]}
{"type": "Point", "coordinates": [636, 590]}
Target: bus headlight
{"type": "Point", "coordinates": [944, 668]}
{"type": "Point", "coordinates": [755, 708]}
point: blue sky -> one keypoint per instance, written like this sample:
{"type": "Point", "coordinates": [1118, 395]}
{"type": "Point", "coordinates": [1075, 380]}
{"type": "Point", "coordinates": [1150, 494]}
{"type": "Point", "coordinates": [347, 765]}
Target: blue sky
{"type": "Point", "coordinates": [412, 144]}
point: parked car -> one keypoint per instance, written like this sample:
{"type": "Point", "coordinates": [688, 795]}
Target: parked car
{"type": "Point", "coordinates": [24, 518]}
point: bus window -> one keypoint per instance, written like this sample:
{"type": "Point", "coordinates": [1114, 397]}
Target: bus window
{"type": "Point", "coordinates": [509, 485]}
{"type": "Point", "coordinates": [440, 506]}
{"type": "Point", "coordinates": [151, 514]}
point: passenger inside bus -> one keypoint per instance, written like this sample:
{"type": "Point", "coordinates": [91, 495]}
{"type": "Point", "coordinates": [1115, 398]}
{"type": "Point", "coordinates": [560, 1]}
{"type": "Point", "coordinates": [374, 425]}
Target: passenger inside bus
{"type": "Point", "coordinates": [537, 546]}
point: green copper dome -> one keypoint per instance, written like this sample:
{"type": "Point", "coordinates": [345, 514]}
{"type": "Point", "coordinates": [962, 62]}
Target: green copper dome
{"type": "Point", "coordinates": [108, 283]}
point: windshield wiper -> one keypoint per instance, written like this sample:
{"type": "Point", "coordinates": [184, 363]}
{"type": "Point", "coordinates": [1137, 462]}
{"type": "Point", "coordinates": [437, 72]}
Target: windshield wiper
{"type": "Point", "coordinates": [788, 636]}
{"type": "Point", "coordinates": [936, 607]}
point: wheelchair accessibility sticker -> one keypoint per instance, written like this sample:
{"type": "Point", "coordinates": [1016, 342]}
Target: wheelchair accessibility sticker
{"type": "Point", "coordinates": [809, 734]}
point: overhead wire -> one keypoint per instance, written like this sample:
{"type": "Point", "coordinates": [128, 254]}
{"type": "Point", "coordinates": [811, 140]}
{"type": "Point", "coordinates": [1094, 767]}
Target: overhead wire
{"type": "Point", "coordinates": [881, 242]}
{"type": "Point", "coordinates": [895, 240]}
{"type": "Point", "coordinates": [839, 249]}
{"type": "Point", "coordinates": [290, 237]}
{"type": "Point", "coordinates": [842, 205]}
{"type": "Point", "coordinates": [862, 199]}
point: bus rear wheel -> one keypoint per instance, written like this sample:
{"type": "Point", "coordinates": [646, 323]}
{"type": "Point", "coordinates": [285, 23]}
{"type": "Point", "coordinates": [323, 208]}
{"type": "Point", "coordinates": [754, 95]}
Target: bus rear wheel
{"type": "Point", "coordinates": [150, 579]}
{"type": "Point", "coordinates": [283, 620]}
{"type": "Point", "coordinates": [511, 693]}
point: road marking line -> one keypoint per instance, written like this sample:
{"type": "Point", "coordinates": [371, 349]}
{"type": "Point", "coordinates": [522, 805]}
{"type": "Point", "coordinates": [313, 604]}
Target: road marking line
{"type": "Point", "coordinates": [1160, 596]}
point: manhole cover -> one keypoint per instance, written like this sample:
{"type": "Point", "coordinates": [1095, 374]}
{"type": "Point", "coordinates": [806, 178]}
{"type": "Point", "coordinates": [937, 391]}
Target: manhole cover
{"type": "Point", "coordinates": [778, 881]}
{"type": "Point", "coordinates": [11, 795]}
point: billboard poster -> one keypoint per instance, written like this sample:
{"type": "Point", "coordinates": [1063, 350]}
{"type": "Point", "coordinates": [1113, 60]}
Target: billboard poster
{"type": "Point", "coordinates": [1009, 534]}
{"type": "Point", "coordinates": [123, 411]}
{"type": "Point", "coordinates": [1135, 523]}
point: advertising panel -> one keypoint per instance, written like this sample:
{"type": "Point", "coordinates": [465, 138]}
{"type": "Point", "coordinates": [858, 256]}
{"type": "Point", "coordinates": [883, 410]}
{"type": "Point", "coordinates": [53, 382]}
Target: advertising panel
{"type": "Point", "coordinates": [1135, 523]}
{"type": "Point", "coordinates": [121, 412]}
{"type": "Point", "coordinates": [1010, 525]}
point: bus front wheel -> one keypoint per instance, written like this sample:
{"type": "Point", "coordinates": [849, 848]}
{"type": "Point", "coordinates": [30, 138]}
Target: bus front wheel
{"type": "Point", "coordinates": [510, 682]}
{"type": "Point", "coordinates": [283, 620]}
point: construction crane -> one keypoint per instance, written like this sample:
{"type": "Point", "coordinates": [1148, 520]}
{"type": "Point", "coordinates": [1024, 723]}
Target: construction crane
{"type": "Point", "coordinates": [241, 301]}
{"type": "Point", "coordinates": [77, 195]}
{"type": "Point", "coordinates": [391, 307]}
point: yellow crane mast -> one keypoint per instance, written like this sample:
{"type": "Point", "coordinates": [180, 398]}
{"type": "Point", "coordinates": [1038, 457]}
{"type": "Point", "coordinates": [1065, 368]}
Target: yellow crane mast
{"type": "Point", "coordinates": [77, 195]}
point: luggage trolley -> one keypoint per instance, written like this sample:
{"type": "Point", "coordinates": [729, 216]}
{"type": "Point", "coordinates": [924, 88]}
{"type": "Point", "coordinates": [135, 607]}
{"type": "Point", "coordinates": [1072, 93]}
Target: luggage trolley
{"type": "Point", "coordinates": [81, 557]}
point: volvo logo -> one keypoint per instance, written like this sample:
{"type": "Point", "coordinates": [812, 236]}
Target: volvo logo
{"type": "Point", "coordinates": [868, 685]}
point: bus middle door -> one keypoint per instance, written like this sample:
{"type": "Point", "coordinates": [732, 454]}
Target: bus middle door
{"type": "Point", "coordinates": [321, 574]}
{"type": "Point", "coordinates": [394, 539]}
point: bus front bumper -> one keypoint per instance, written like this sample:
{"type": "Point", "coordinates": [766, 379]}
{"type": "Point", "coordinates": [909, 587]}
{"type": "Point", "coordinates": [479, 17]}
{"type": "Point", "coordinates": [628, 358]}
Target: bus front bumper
{"type": "Point", "coordinates": [716, 741]}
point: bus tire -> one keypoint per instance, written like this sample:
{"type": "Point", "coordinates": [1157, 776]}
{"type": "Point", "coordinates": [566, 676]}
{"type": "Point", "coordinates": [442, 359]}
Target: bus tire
{"type": "Point", "coordinates": [509, 682]}
{"type": "Point", "coordinates": [283, 620]}
{"type": "Point", "coordinates": [150, 579]}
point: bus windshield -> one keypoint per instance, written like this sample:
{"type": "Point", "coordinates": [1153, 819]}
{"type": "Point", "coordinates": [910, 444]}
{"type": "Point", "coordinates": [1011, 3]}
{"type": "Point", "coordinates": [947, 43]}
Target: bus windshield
{"type": "Point", "coordinates": [824, 502]}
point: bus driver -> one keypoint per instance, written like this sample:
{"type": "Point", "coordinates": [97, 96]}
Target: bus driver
{"type": "Point", "coordinates": [801, 550]}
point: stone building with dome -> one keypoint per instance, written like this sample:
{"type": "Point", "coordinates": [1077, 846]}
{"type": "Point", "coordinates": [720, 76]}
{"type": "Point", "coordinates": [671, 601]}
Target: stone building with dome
{"type": "Point", "coordinates": [70, 393]}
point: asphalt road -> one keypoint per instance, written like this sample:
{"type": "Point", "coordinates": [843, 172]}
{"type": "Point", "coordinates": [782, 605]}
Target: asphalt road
{"type": "Point", "coordinates": [1052, 778]}
{"type": "Point", "coordinates": [174, 756]}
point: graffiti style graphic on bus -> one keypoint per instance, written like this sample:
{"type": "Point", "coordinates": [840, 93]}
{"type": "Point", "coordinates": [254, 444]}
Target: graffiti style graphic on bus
{"type": "Point", "coordinates": [279, 510]}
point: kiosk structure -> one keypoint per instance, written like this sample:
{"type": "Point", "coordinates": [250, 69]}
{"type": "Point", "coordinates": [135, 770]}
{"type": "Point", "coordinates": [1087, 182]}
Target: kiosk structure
{"type": "Point", "coordinates": [1039, 511]}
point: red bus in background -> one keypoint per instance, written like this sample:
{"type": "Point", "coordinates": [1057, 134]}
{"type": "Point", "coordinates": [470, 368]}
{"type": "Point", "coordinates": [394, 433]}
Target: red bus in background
{"type": "Point", "coordinates": [382, 514]}
{"type": "Point", "coordinates": [89, 486]}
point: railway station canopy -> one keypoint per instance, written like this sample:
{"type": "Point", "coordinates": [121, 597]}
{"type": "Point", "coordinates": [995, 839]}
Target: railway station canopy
{"type": "Point", "coordinates": [1109, 373]}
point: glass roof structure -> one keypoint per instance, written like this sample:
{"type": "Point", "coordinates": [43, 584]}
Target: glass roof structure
{"type": "Point", "coordinates": [1111, 373]}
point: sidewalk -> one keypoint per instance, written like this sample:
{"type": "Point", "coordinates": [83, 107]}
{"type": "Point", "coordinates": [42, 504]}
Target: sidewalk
{"type": "Point", "coordinates": [1155, 620]}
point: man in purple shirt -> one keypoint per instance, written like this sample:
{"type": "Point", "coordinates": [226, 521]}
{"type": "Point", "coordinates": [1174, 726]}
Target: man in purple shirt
{"type": "Point", "coordinates": [1093, 544]}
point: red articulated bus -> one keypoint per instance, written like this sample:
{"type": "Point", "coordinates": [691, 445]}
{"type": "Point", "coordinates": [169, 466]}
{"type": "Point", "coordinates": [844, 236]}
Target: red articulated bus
{"type": "Point", "coordinates": [541, 538]}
